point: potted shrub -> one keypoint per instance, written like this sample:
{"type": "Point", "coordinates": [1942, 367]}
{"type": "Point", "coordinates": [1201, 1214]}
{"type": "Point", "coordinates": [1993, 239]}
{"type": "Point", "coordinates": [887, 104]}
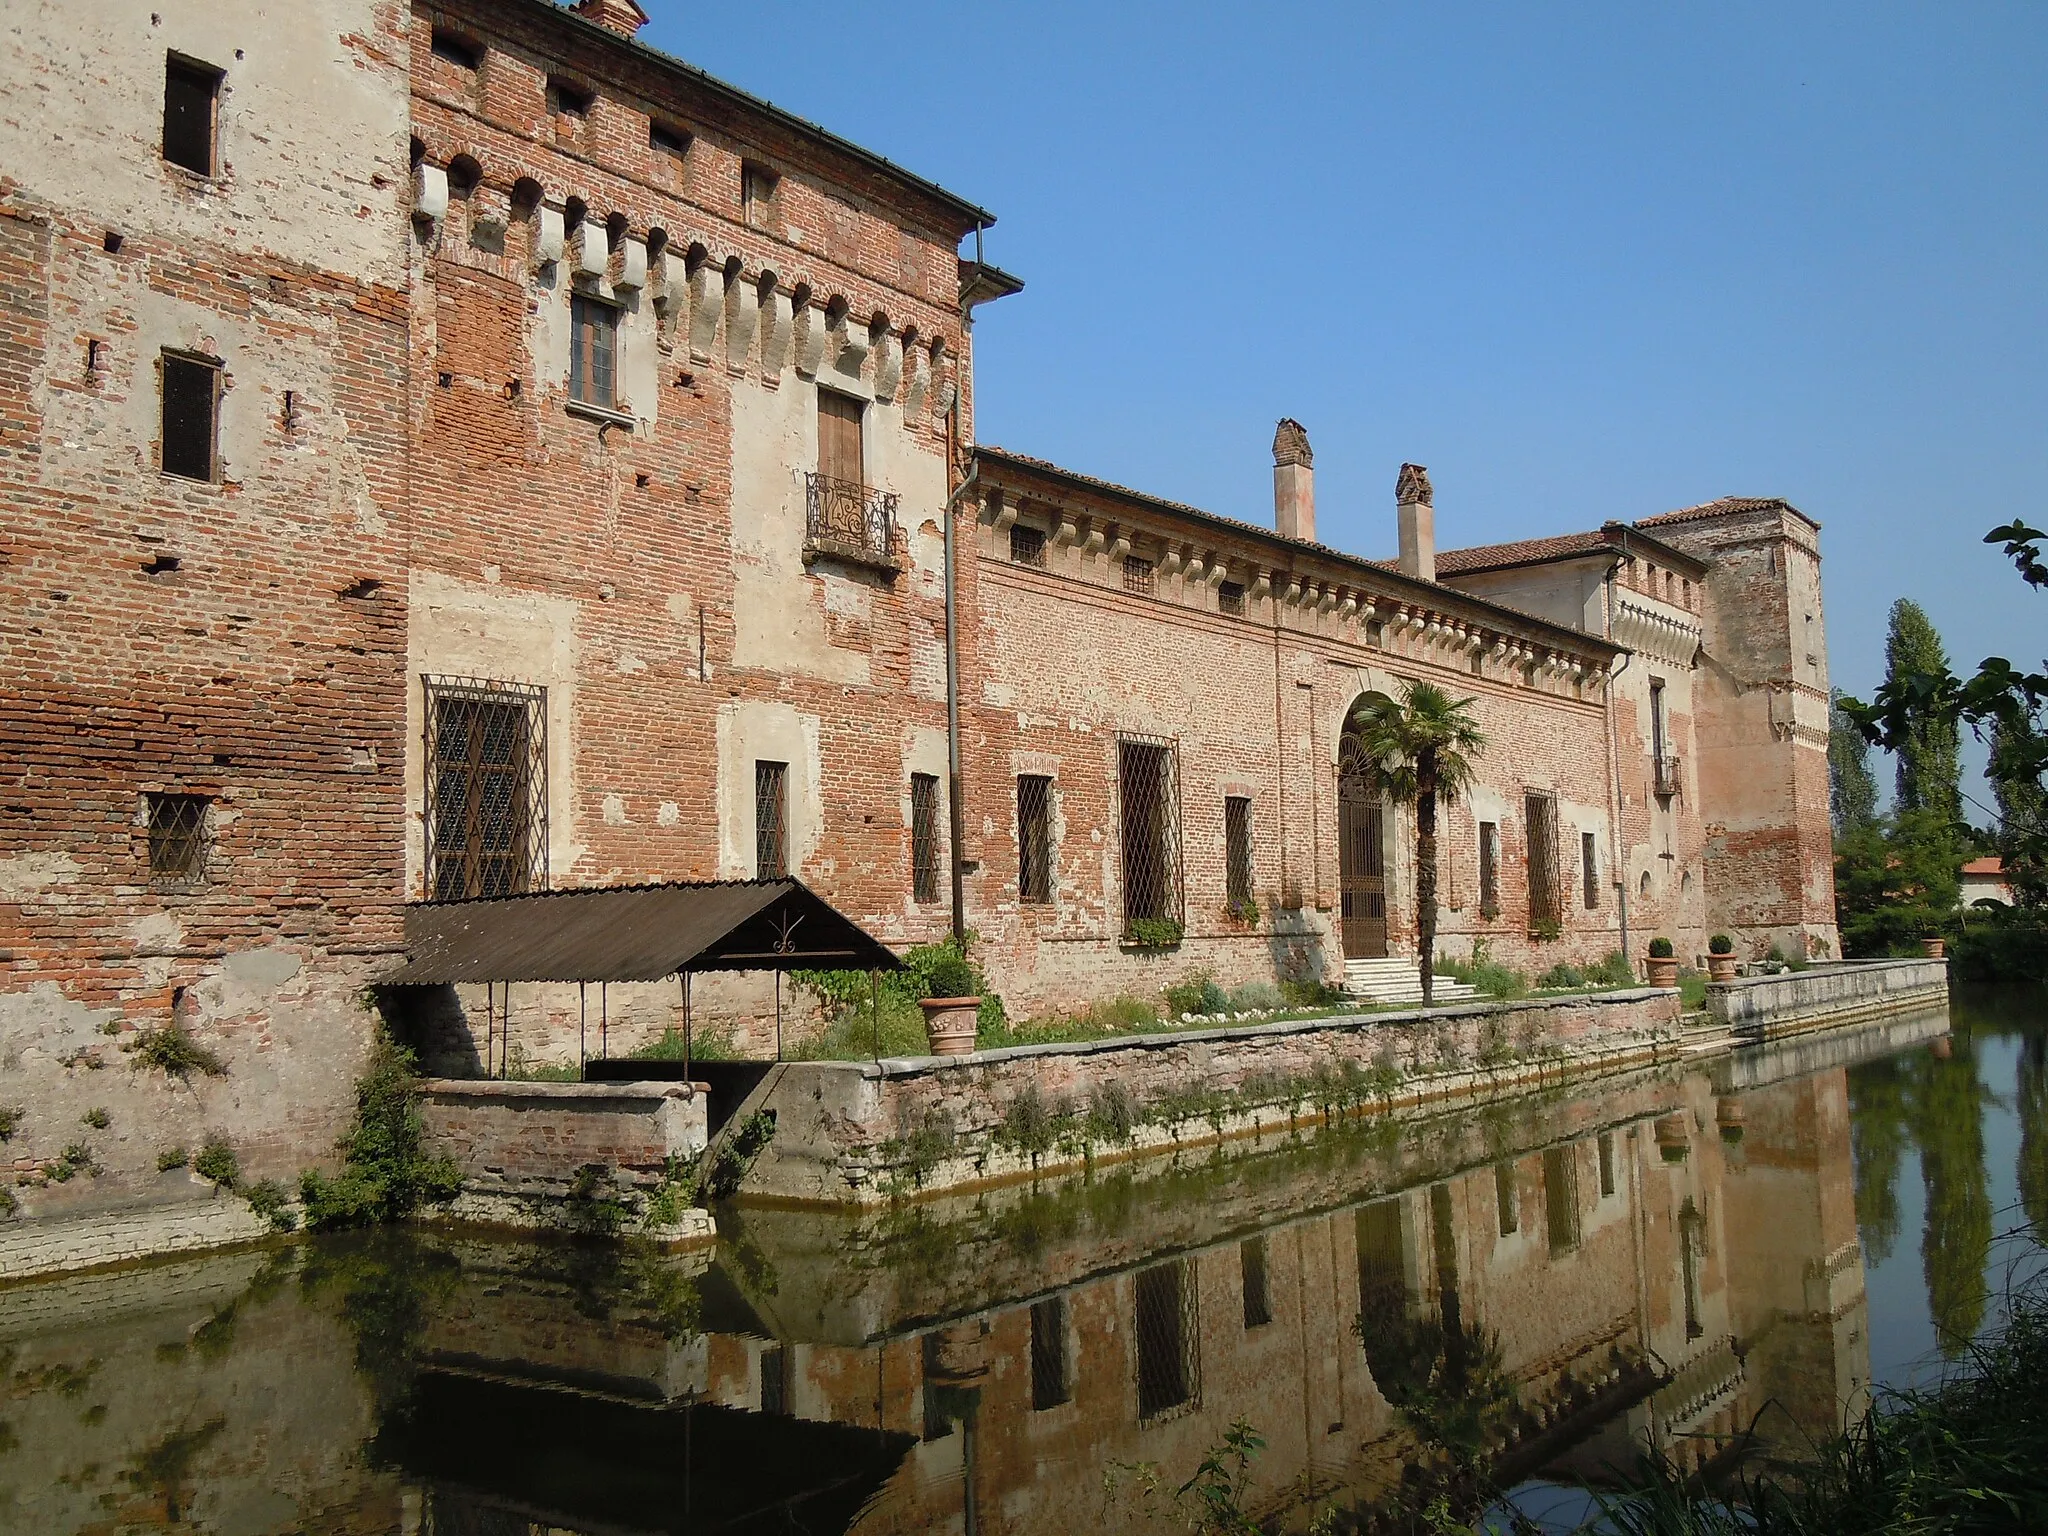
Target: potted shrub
{"type": "Point", "coordinates": [952, 1010]}
{"type": "Point", "coordinates": [1663, 964]}
{"type": "Point", "coordinates": [1934, 948]}
{"type": "Point", "coordinates": [1720, 958]}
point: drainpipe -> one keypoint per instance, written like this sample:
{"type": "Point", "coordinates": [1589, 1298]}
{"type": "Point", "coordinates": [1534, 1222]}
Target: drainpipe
{"type": "Point", "coordinates": [956, 815]}
{"type": "Point", "coordinates": [1614, 765]}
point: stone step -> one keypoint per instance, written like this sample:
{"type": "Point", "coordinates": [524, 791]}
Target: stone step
{"type": "Point", "coordinates": [1395, 981]}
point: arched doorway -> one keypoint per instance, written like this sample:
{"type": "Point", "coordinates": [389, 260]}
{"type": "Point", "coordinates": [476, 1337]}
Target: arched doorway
{"type": "Point", "coordinates": [1361, 852]}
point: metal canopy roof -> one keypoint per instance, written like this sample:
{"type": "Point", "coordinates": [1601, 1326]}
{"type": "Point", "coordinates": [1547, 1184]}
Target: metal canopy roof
{"type": "Point", "coordinates": [634, 933]}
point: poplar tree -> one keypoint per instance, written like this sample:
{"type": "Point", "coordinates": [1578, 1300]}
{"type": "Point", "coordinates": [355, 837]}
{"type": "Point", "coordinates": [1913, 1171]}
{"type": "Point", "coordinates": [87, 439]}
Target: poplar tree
{"type": "Point", "coordinates": [1852, 792]}
{"type": "Point", "coordinates": [1930, 748]}
{"type": "Point", "coordinates": [2022, 808]}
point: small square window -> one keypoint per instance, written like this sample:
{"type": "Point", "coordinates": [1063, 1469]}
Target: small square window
{"type": "Point", "coordinates": [177, 837]}
{"type": "Point", "coordinates": [457, 50]}
{"type": "Point", "coordinates": [664, 140]}
{"type": "Point", "coordinates": [593, 350]}
{"type": "Point", "coordinates": [568, 99]}
{"type": "Point", "coordinates": [190, 423]}
{"type": "Point", "coordinates": [1027, 546]}
{"type": "Point", "coordinates": [191, 113]}
{"type": "Point", "coordinates": [1138, 575]}
{"type": "Point", "coordinates": [757, 193]}
{"type": "Point", "coordinates": [1230, 598]}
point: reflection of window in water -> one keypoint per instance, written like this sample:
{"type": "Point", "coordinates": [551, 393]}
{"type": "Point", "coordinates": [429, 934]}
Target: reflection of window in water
{"type": "Point", "coordinates": [1049, 1352]}
{"type": "Point", "coordinates": [1507, 1200]}
{"type": "Point", "coordinates": [937, 1422]}
{"type": "Point", "coordinates": [1382, 1265]}
{"type": "Point", "coordinates": [775, 1380]}
{"type": "Point", "coordinates": [1258, 1305]}
{"type": "Point", "coordinates": [1692, 1245]}
{"type": "Point", "coordinates": [1169, 1373]}
{"type": "Point", "coordinates": [1606, 1165]}
{"type": "Point", "coordinates": [1561, 1197]}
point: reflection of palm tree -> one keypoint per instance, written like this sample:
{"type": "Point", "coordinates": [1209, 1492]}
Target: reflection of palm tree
{"type": "Point", "coordinates": [1955, 1244]}
{"type": "Point", "coordinates": [2033, 1109]}
{"type": "Point", "coordinates": [1877, 1133]}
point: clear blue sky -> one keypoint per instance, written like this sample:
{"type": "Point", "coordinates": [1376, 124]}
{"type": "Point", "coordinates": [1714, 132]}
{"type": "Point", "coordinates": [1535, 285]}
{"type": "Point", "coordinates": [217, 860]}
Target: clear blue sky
{"type": "Point", "coordinates": [1582, 261]}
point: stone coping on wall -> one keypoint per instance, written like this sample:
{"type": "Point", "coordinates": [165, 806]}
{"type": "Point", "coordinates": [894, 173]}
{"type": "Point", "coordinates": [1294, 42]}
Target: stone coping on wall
{"type": "Point", "coordinates": [637, 1095]}
{"type": "Point", "coordinates": [1842, 992]}
{"type": "Point", "coordinates": [911, 1066]}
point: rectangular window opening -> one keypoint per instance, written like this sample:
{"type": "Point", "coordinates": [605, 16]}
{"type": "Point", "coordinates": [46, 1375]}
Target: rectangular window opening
{"type": "Point", "coordinates": [1148, 802]}
{"type": "Point", "coordinates": [1258, 1301]}
{"type": "Point", "coordinates": [1507, 1200]}
{"type": "Point", "coordinates": [593, 351]}
{"type": "Point", "coordinates": [924, 837]}
{"type": "Point", "coordinates": [664, 140]}
{"type": "Point", "coordinates": [771, 821]}
{"type": "Point", "coordinates": [486, 777]}
{"type": "Point", "coordinates": [1138, 575]}
{"type": "Point", "coordinates": [757, 193]}
{"type": "Point", "coordinates": [1589, 868]}
{"type": "Point", "coordinates": [1489, 869]}
{"type": "Point", "coordinates": [191, 416]}
{"type": "Point", "coordinates": [1034, 839]}
{"type": "Point", "coordinates": [1545, 912]}
{"type": "Point", "coordinates": [841, 454]}
{"type": "Point", "coordinates": [1027, 546]}
{"type": "Point", "coordinates": [177, 836]}
{"type": "Point", "coordinates": [1049, 1353]}
{"type": "Point", "coordinates": [191, 113]}
{"type": "Point", "coordinates": [457, 50]}
{"type": "Point", "coordinates": [1230, 598]}
{"type": "Point", "coordinates": [1237, 853]}
{"type": "Point", "coordinates": [568, 99]}
{"type": "Point", "coordinates": [1169, 1374]}
{"type": "Point", "coordinates": [1561, 1197]}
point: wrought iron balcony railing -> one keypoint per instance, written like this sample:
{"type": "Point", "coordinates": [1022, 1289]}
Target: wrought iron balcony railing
{"type": "Point", "coordinates": [1665, 771]}
{"type": "Point", "coordinates": [850, 521]}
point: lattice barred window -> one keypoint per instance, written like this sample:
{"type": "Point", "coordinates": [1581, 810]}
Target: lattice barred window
{"type": "Point", "coordinates": [1489, 869]}
{"type": "Point", "coordinates": [1169, 1339]}
{"type": "Point", "coordinates": [1027, 545]}
{"type": "Point", "coordinates": [1507, 1200]}
{"type": "Point", "coordinates": [1237, 852]}
{"type": "Point", "coordinates": [487, 788]}
{"type": "Point", "coordinates": [1545, 906]}
{"type": "Point", "coordinates": [1148, 798]}
{"type": "Point", "coordinates": [1589, 868]}
{"type": "Point", "coordinates": [1049, 1353]}
{"type": "Point", "coordinates": [177, 837]}
{"type": "Point", "coordinates": [1561, 1197]}
{"type": "Point", "coordinates": [1258, 1301]}
{"type": "Point", "coordinates": [924, 837]}
{"type": "Point", "coordinates": [771, 820]}
{"type": "Point", "coordinates": [1230, 598]}
{"type": "Point", "coordinates": [1138, 575]}
{"type": "Point", "coordinates": [1034, 838]}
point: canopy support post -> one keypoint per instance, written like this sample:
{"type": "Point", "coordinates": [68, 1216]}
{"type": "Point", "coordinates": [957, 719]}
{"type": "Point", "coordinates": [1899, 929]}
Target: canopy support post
{"type": "Point", "coordinates": [875, 1008]}
{"type": "Point", "coordinates": [582, 1023]}
{"type": "Point", "coordinates": [490, 1023]}
{"type": "Point", "coordinates": [604, 1020]}
{"type": "Point", "coordinates": [686, 1026]}
{"type": "Point", "coordinates": [778, 1015]}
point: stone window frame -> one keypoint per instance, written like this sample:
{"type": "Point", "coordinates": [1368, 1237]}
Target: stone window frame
{"type": "Point", "coordinates": [526, 773]}
{"type": "Point", "coordinates": [181, 69]}
{"type": "Point", "coordinates": [179, 358]}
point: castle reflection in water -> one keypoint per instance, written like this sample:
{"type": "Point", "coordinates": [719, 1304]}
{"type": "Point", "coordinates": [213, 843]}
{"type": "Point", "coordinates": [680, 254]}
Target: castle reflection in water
{"type": "Point", "coordinates": [1535, 1288]}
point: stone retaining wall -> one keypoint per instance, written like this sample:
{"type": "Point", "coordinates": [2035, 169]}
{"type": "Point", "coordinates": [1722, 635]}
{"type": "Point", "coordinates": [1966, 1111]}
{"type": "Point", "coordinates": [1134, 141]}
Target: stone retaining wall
{"type": "Point", "coordinates": [45, 1246]}
{"type": "Point", "coordinates": [1765, 1007]}
{"type": "Point", "coordinates": [860, 1133]}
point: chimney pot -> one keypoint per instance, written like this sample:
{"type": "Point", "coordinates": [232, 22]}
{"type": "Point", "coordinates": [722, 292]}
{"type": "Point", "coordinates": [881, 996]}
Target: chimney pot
{"type": "Point", "coordinates": [620, 16]}
{"type": "Point", "coordinates": [1294, 483]}
{"type": "Point", "coordinates": [1416, 514]}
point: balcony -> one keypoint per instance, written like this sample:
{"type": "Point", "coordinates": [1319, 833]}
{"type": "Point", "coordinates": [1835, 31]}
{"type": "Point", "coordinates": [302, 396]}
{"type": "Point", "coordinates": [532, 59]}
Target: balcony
{"type": "Point", "coordinates": [847, 521]}
{"type": "Point", "coordinates": [1664, 774]}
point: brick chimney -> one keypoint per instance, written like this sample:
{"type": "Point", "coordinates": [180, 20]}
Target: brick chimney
{"type": "Point", "coordinates": [1294, 483]}
{"type": "Point", "coordinates": [620, 16]}
{"type": "Point", "coordinates": [1417, 517]}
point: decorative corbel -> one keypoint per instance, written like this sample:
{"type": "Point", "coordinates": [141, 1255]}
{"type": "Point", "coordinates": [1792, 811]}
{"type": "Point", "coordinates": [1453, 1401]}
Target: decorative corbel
{"type": "Point", "coordinates": [1002, 511]}
{"type": "Point", "coordinates": [1093, 543]}
{"type": "Point", "coordinates": [777, 319]}
{"type": "Point", "coordinates": [849, 347]}
{"type": "Point", "coordinates": [888, 365]}
{"type": "Point", "coordinates": [810, 340]}
{"type": "Point", "coordinates": [547, 237]}
{"type": "Point", "coordinates": [916, 380]}
{"type": "Point", "coordinates": [429, 195]}
{"type": "Point", "coordinates": [1328, 600]}
{"type": "Point", "coordinates": [1261, 587]}
{"type": "Point", "coordinates": [1170, 561]}
{"type": "Point", "coordinates": [1219, 572]}
{"type": "Point", "coordinates": [707, 297]}
{"type": "Point", "coordinates": [590, 250]}
{"type": "Point", "coordinates": [631, 269]}
{"type": "Point", "coordinates": [1064, 532]}
{"type": "Point", "coordinates": [1119, 546]}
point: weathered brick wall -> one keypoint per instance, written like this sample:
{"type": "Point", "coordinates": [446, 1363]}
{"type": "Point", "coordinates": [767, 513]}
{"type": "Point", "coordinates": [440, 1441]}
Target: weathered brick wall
{"type": "Point", "coordinates": [240, 639]}
{"type": "Point", "coordinates": [531, 1138]}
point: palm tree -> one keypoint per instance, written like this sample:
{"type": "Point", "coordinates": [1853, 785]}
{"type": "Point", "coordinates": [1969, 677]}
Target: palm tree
{"type": "Point", "coordinates": [1422, 749]}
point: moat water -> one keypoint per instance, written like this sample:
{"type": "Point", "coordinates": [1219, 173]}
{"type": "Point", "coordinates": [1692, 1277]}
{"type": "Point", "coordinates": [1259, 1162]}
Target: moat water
{"type": "Point", "coordinates": [1509, 1302]}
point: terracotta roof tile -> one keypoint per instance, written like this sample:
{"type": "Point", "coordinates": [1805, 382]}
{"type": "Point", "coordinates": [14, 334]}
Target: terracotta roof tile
{"type": "Point", "coordinates": [1722, 507]}
{"type": "Point", "coordinates": [1487, 557]}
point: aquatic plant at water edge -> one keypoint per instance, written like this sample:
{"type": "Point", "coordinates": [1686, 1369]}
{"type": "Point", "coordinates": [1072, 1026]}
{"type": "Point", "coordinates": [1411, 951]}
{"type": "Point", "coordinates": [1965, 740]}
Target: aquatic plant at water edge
{"type": "Point", "coordinates": [385, 1175]}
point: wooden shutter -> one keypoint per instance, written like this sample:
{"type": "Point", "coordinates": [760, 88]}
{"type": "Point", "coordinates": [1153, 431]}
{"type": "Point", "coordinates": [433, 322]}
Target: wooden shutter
{"type": "Point", "coordinates": [839, 455]}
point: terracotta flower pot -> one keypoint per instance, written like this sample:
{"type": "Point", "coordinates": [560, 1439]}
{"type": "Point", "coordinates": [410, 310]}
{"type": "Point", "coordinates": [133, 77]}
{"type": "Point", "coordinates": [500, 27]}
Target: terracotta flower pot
{"type": "Point", "coordinates": [949, 1024]}
{"type": "Point", "coordinates": [1934, 949]}
{"type": "Point", "coordinates": [1721, 967]}
{"type": "Point", "coordinates": [1663, 970]}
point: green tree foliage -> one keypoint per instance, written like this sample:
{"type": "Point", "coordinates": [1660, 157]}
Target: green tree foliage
{"type": "Point", "coordinates": [1896, 881]}
{"type": "Point", "coordinates": [1879, 1134]}
{"type": "Point", "coordinates": [1852, 791]}
{"type": "Point", "coordinates": [1929, 750]}
{"type": "Point", "coordinates": [1423, 750]}
{"type": "Point", "coordinates": [2022, 837]}
{"type": "Point", "coordinates": [2033, 1116]}
{"type": "Point", "coordinates": [1955, 1243]}
{"type": "Point", "coordinates": [385, 1176]}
